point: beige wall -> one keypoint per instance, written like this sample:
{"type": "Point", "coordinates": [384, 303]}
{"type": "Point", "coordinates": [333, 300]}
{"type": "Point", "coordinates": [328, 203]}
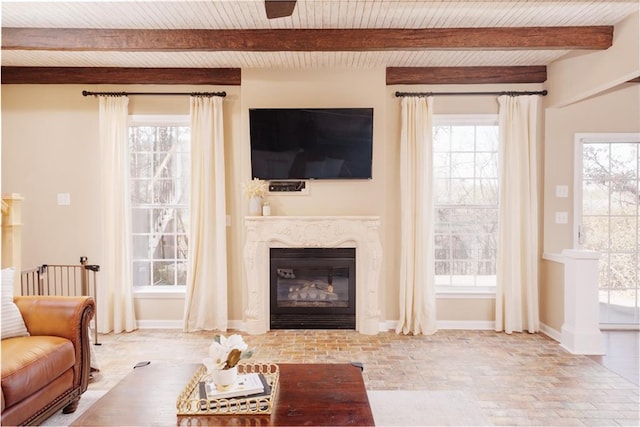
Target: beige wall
{"type": "Point", "coordinates": [60, 154]}
{"type": "Point", "coordinates": [50, 146]}
{"type": "Point", "coordinates": [587, 93]}
{"type": "Point", "coordinates": [551, 295]}
{"type": "Point", "coordinates": [586, 74]}
{"type": "Point", "coordinates": [329, 88]}
{"type": "Point", "coordinates": [617, 110]}
{"type": "Point", "coordinates": [477, 313]}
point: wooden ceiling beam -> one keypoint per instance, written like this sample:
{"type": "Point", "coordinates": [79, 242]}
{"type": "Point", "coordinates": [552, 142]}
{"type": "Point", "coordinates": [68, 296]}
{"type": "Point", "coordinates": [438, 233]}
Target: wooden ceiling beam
{"type": "Point", "coordinates": [113, 75]}
{"type": "Point", "coordinates": [309, 40]}
{"type": "Point", "coordinates": [465, 75]}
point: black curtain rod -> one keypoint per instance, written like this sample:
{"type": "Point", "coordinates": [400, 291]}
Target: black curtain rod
{"type": "Point", "coordinates": [509, 93]}
{"type": "Point", "coordinates": [203, 94]}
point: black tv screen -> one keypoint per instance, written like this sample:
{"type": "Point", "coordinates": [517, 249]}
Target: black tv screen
{"type": "Point", "coordinates": [311, 143]}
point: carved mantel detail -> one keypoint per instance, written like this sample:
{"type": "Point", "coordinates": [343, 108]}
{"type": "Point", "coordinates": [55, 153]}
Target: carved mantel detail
{"type": "Point", "coordinates": [263, 233]}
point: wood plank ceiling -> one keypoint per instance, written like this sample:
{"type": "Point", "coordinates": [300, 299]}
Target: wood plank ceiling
{"type": "Point", "coordinates": [209, 42]}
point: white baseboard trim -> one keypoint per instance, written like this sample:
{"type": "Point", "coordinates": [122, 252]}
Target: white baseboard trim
{"type": "Point", "coordinates": [237, 325]}
{"type": "Point", "coordinates": [475, 325]}
{"type": "Point", "coordinates": [178, 324]}
{"type": "Point", "coordinates": [160, 324]}
{"type": "Point", "coordinates": [550, 332]}
{"type": "Point", "coordinates": [389, 325]}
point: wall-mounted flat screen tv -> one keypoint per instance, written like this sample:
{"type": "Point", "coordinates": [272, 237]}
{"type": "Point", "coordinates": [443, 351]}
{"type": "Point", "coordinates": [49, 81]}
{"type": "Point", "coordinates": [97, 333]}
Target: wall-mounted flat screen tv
{"type": "Point", "coordinates": [311, 143]}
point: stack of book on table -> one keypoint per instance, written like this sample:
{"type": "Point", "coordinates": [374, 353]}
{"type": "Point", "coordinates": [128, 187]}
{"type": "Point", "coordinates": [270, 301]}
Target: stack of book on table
{"type": "Point", "coordinates": [250, 391]}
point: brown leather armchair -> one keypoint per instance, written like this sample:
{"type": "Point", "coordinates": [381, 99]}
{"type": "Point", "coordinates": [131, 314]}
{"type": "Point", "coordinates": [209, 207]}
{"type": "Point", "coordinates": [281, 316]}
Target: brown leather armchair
{"type": "Point", "coordinates": [49, 369]}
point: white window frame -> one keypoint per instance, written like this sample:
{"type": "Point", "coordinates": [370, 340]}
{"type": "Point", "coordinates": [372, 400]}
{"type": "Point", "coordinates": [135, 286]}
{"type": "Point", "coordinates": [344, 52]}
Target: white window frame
{"type": "Point", "coordinates": [459, 292]}
{"type": "Point", "coordinates": [579, 140]}
{"type": "Point", "coordinates": [153, 292]}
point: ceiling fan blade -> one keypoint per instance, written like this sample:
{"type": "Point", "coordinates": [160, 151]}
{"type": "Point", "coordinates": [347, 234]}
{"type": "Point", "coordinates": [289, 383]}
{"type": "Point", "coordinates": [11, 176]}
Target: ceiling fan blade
{"type": "Point", "coordinates": [279, 8]}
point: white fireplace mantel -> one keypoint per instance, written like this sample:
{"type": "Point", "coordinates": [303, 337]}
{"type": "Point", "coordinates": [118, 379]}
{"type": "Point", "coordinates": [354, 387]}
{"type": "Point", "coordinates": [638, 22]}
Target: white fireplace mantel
{"type": "Point", "coordinates": [361, 232]}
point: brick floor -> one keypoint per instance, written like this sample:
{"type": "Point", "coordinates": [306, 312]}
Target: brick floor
{"type": "Point", "coordinates": [518, 379]}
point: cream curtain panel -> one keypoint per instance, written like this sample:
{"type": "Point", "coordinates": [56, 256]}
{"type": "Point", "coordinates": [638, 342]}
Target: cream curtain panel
{"type": "Point", "coordinates": [517, 271]}
{"type": "Point", "coordinates": [417, 281]}
{"type": "Point", "coordinates": [116, 312]}
{"type": "Point", "coordinates": [206, 298]}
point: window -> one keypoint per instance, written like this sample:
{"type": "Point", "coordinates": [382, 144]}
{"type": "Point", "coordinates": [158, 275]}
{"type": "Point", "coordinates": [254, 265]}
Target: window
{"type": "Point", "coordinates": [608, 219]}
{"type": "Point", "coordinates": [465, 172]}
{"type": "Point", "coordinates": [160, 168]}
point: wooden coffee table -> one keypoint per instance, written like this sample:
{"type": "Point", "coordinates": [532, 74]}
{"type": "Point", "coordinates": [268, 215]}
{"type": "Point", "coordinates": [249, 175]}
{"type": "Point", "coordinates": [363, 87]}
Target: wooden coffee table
{"type": "Point", "coordinates": [308, 394]}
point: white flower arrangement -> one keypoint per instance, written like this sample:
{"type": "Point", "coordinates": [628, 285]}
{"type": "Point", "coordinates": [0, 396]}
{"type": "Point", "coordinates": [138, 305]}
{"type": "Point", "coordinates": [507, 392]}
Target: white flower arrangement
{"type": "Point", "coordinates": [255, 188]}
{"type": "Point", "coordinates": [225, 353]}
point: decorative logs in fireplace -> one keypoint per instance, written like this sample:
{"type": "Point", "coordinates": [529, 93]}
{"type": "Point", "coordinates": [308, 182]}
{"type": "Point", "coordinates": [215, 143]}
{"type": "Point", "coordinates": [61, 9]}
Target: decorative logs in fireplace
{"type": "Point", "coordinates": [313, 288]}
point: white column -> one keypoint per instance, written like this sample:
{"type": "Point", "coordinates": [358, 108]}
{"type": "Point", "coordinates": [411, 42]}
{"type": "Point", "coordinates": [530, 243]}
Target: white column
{"type": "Point", "coordinates": [581, 329]}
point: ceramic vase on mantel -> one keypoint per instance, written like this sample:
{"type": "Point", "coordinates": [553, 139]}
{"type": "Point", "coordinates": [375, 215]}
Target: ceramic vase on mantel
{"type": "Point", "coordinates": [255, 206]}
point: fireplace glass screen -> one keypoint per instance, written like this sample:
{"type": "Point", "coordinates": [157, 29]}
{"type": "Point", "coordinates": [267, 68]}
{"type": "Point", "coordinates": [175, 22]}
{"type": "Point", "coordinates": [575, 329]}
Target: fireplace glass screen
{"type": "Point", "coordinates": [313, 288]}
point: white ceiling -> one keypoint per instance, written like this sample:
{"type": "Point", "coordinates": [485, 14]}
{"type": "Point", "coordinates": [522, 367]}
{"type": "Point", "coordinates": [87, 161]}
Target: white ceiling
{"type": "Point", "coordinates": [317, 14]}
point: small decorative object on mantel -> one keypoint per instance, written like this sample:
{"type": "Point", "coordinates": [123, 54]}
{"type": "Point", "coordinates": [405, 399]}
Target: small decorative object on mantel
{"type": "Point", "coordinates": [255, 190]}
{"type": "Point", "coordinates": [224, 355]}
{"type": "Point", "coordinates": [266, 209]}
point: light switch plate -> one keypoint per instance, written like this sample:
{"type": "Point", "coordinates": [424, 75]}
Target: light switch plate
{"type": "Point", "coordinates": [64, 199]}
{"type": "Point", "coordinates": [562, 191]}
{"type": "Point", "coordinates": [562, 217]}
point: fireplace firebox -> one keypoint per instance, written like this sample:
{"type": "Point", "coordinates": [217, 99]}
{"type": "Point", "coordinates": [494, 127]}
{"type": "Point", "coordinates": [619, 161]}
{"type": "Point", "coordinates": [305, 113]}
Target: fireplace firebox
{"type": "Point", "coordinates": [313, 288]}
